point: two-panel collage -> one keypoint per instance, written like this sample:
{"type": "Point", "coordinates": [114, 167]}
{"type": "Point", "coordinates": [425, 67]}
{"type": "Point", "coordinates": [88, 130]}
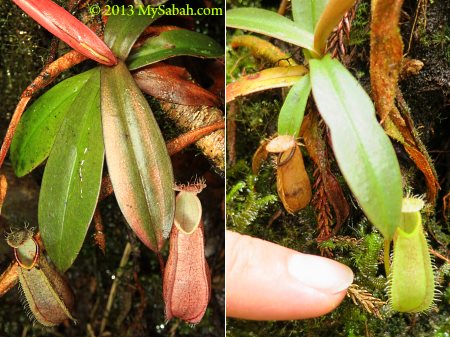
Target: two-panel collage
{"type": "Point", "coordinates": [212, 168]}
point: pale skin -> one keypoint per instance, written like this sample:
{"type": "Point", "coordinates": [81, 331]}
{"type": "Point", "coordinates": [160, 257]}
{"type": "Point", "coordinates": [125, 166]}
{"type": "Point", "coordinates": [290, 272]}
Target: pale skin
{"type": "Point", "coordinates": [268, 282]}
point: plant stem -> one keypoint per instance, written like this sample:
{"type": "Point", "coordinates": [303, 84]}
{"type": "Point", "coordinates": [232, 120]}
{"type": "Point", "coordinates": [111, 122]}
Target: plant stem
{"type": "Point", "coordinates": [112, 293]}
{"type": "Point", "coordinates": [188, 138]}
{"type": "Point", "coordinates": [387, 257]}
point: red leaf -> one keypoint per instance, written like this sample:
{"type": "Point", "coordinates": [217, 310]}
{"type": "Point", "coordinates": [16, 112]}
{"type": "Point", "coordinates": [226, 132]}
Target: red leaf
{"type": "Point", "coordinates": [172, 84]}
{"type": "Point", "coordinates": [65, 26]}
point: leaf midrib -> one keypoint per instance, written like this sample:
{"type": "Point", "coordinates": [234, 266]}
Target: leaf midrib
{"type": "Point", "coordinates": [367, 162]}
{"type": "Point", "coordinates": [129, 141]}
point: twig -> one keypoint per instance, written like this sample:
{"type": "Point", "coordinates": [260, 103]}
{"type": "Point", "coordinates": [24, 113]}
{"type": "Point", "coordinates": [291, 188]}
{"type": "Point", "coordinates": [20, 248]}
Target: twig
{"type": "Point", "coordinates": [141, 309]}
{"type": "Point", "coordinates": [25, 330]}
{"type": "Point", "coordinates": [189, 118]}
{"type": "Point", "coordinates": [445, 201]}
{"type": "Point", "coordinates": [3, 189]}
{"type": "Point", "coordinates": [413, 28]}
{"type": "Point", "coordinates": [9, 278]}
{"type": "Point", "coordinates": [90, 330]}
{"type": "Point", "coordinates": [231, 133]}
{"type": "Point", "coordinates": [435, 253]}
{"type": "Point", "coordinates": [188, 138]}
{"type": "Point", "coordinates": [282, 8]}
{"type": "Point", "coordinates": [112, 293]}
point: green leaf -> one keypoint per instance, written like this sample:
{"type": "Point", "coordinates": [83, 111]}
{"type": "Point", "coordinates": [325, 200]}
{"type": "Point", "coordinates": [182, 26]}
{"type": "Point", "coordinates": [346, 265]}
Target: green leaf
{"type": "Point", "coordinates": [362, 149]}
{"type": "Point", "coordinates": [271, 24]}
{"type": "Point", "coordinates": [271, 78]}
{"type": "Point", "coordinates": [122, 31]}
{"type": "Point", "coordinates": [174, 43]}
{"type": "Point", "coordinates": [138, 162]}
{"type": "Point", "coordinates": [330, 18]}
{"type": "Point", "coordinates": [40, 123]}
{"type": "Point", "coordinates": [293, 109]}
{"type": "Point", "coordinates": [306, 13]}
{"type": "Point", "coordinates": [72, 177]}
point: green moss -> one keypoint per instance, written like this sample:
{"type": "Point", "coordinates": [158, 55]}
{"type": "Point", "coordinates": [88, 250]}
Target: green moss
{"type": "Point", "coordinates": [360, 33]}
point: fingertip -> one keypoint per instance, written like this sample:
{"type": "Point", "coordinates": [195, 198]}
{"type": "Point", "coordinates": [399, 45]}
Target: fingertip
{"type": "Point", "coordinates": [265, 281]}
{"type": "Point", "coordinates": [322, 274]}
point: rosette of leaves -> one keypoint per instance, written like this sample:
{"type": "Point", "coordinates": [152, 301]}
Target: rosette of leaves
{"type": "Point", "coordinates": [363, 151]}
{"type": "Point", "coordinates": [102, 112]}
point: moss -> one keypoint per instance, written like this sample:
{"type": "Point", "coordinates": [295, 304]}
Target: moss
{"type": "Point", "coordinates": [360, 33]}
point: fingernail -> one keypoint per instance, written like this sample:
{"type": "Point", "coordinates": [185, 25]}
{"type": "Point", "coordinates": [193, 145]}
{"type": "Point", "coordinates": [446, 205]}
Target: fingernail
{"type": "Point", "coordinates": [320, 273]}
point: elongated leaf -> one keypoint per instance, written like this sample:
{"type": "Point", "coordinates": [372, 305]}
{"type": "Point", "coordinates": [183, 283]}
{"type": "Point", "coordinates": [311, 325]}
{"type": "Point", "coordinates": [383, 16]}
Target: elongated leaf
{"type": "Point", "coordinates": [72, 177]}
{"type": "Point", "coordinates": [122, 31]}
{"type": "Point", "coordinates": [173, 84]}
{"type": "Point", "coordinates": [293, 109]}
{"type": "Point", "coordinates": [362, 149]}
{"type": "Point", "coordinates": [65, 26]}
{"type": "Point", "coordinates": [331, 15]}
{"type": "Point", "coordinates": [39, 125]}
{"type": "Point", "coordinates": [271, 24]}
{"type": "Point", "coordinates": [138, 162]}
{"type": "Point", "coordinates": [277, 77]}
{"type": "Point", "coordinates": [306, 13]}
{"type": "Point", "coordinates": [174, 43]}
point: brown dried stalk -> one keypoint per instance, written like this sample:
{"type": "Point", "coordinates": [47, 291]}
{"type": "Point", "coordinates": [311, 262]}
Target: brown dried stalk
{"type": "Point", "coordinates": [113, 291]}
{"type": "Point", "coordinates": [231, 133]}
